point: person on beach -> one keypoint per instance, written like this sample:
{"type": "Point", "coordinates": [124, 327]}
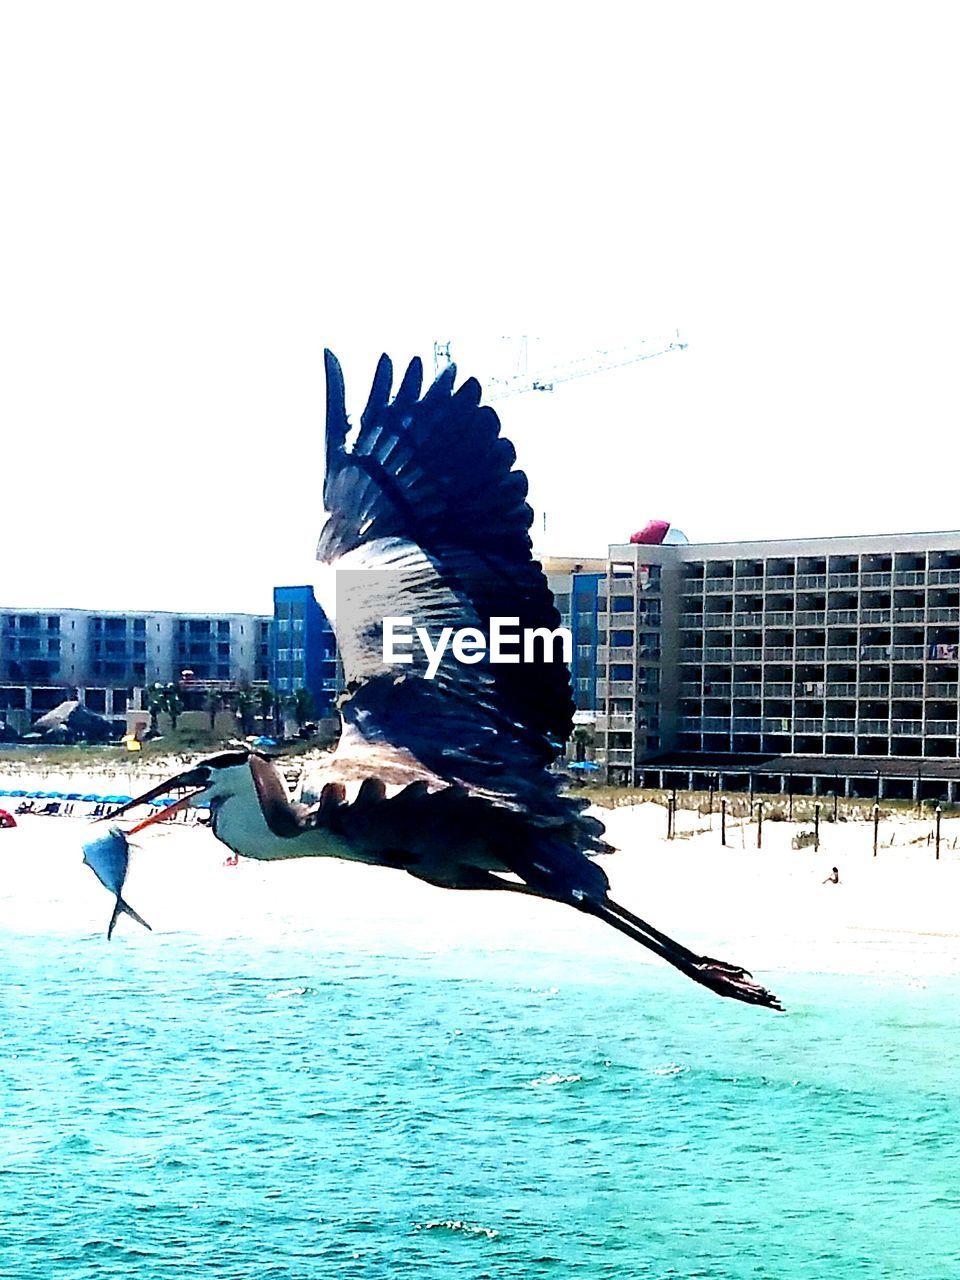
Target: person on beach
{"type": "Point", "coordinates": [833, 877]}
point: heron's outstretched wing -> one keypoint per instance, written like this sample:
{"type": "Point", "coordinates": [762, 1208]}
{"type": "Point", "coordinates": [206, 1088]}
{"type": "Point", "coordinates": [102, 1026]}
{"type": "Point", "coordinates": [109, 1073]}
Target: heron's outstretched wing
{"type": "Point", "coordinates": [428, 520]}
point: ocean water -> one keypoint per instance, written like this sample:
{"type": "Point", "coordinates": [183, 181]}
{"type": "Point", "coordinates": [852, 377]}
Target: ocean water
{"type": "Point", "coordinates": [172, 1107]}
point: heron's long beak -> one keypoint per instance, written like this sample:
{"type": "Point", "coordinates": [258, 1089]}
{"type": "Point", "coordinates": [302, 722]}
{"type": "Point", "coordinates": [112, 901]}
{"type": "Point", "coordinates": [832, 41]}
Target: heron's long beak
{"type": "Point", "coordinates": [166, 812]}
{"type": "Point", "coordinates": [198, 777]}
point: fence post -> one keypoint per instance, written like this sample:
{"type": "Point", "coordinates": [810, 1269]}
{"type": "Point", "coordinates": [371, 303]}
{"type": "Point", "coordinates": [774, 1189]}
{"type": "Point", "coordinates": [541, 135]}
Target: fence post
{"type": "Point", "coordinates": [876, 827]}
{"type": "Point", "coordinates": [938, 833]}
{"type": "Point", "coordinates": [723, 821]}
{"type": "Point", "coordinates": [759, 824]}
{"type": "Point", "coordinates": [816, 827]}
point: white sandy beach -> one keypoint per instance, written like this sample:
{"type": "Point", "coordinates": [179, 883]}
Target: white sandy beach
{"type": "Point", "coordinates": [767, 909]}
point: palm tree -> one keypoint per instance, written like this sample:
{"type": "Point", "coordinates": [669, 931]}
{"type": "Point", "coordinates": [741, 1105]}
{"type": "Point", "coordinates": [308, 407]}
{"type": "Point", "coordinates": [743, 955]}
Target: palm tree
{"type": "Point", "coordinates": [156, 702]}
{"type": "Point", "coordinates": [300, 703]}
{"type": "Point", "coordinates": [266, 700]}
{"type": "Point", "coordinates": [164, 698]}
{"type": "Point", "coordinates": [245, 704]}
{"type": "Point", "coordinates": [582, 738]}
{"type": "Point", "coordinates": [214, 703]}
{"type": "Point", "coordinates": [174, 705]}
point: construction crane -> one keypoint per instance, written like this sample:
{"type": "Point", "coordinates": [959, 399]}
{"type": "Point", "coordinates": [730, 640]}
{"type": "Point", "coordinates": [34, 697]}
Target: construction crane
{"type": "Point", "coordinates": [599, 361]}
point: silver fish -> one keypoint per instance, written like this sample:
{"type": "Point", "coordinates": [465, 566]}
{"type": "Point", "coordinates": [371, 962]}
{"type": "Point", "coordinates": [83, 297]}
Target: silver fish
{"type": "Point", "coordinates": [108, 856]}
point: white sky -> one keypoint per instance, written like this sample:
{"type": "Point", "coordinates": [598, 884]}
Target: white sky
{"type": "Point", "coordinates": [198, 197]}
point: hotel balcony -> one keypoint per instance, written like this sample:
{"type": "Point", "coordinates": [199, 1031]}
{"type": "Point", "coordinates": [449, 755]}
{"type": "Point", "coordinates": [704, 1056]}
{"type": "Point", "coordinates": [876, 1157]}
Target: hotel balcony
{"type": "Point", "coordinates": [614, 689]}
{"type": "Point", "coordinates": [721, 656]}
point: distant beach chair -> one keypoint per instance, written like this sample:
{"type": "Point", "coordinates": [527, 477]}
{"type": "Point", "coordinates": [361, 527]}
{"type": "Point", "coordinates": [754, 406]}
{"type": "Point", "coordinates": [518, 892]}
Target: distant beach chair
{"type": "Point", "coordinates": [51, 809]}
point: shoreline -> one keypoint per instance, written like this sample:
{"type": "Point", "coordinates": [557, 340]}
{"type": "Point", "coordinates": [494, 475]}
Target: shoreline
{"type": "Point", "coordinates": [765, 908]}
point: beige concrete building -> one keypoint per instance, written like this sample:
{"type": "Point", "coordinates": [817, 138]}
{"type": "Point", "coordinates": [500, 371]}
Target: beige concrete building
{"type": "Point", "coordinates": [834, 658]}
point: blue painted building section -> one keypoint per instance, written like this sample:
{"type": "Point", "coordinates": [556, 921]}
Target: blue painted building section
{"type": "Point", "coordinates": [576, 595]}
{"type": "Point", "coordinates": [303, 647]}
{"type": "Point", "coordinates": [583, 624]}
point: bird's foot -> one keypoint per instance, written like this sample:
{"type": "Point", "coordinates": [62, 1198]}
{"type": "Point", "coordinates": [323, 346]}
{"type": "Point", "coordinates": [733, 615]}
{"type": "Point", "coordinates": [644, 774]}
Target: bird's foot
{"type": "Point", "coordinates": [731, 981]}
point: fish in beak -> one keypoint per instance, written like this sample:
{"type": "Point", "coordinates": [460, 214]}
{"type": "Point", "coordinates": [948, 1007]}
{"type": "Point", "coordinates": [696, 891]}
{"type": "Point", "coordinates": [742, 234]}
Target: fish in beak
{"type": "Point", "coordinates": [107, 856]}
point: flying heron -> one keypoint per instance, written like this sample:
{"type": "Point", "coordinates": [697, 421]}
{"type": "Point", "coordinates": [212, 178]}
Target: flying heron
{"type": "Point", "coordinates": [446, 777]}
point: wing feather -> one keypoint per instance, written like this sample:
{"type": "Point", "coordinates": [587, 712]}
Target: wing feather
{"type": "Point", "coordinates": [428, 518]}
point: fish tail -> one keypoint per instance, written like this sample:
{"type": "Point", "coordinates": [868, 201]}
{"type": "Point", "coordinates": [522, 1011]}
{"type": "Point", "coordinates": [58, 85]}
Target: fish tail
{"type": "Point", "coordinates": [123, 908]}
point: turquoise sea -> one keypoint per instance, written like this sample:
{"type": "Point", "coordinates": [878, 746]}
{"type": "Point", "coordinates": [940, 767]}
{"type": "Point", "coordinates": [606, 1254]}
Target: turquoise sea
{"type": "Point", "coordinates": [173, 1106]}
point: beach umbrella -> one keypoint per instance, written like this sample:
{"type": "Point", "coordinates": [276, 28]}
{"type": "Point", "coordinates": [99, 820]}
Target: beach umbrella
{"type": "Point", "coordinates": [92, 799]}
{"type": "Point", "coordinates": [5, 792]}
{"type": "Point", "coordinates": [33, 795]}
{"type": "Point", "coordinates": [18, 794]}
{"type": "Point", "coordinates": [74, 795]}
{"type": "Point", "coordinates": [117, 799]}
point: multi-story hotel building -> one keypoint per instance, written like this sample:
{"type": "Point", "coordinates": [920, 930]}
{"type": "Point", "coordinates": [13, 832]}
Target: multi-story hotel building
{"type": "Point", "coordinates": [305, 648]}
{"type": "Point", "coordinates": [103, 656]}
{"type": "Point", "coordinates": [821, 661]}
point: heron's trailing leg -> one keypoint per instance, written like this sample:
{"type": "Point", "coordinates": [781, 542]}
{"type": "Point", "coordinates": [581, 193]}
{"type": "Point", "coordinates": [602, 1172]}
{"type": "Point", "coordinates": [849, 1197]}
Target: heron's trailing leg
{"type": "Point", "coordinates": [725, 979]}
